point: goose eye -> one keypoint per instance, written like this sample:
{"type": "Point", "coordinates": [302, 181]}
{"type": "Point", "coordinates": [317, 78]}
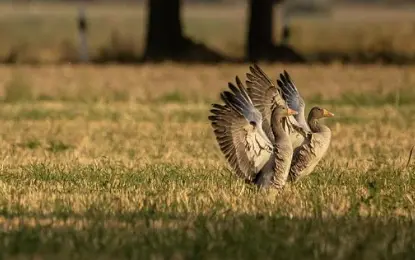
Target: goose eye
{"type": "Point", "coordinates": [252, 123]}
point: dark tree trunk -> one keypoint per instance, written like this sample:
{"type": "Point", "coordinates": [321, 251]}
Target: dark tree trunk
{"type": "Point", "coordinates": [260, 45]}
{"type": "Point", "coordinates": [164, 29]}
{"type": "Point", "coordinates": [165, 38]}
{"type": "Point", "coordinates": [260, 28]}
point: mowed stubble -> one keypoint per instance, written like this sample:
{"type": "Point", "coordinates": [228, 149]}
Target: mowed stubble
{"type": "Point", "coordinates": [126, 156]}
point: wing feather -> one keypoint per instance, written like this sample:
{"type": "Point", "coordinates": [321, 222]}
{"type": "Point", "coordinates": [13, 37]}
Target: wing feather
{"type": "Point", "coordinates": [293, 98]}
{"type": "Point", "coordinates": [265, 96]}
{"type": "Point", "coordinates": [237, 127]}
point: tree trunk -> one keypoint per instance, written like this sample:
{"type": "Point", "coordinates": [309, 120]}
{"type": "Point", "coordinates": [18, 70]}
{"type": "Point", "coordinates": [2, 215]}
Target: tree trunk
{"type": "Point", "coordinates": [260, 28]}
{"type": "Point", "coordinates": [260, 41]}
{"type": "Point", "coordinates": [164, 29]}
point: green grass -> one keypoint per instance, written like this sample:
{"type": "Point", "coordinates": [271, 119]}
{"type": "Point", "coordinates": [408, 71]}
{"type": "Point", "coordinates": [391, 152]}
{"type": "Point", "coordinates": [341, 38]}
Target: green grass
{"type": "Point", "coordinates": [169, 214]}
{"type": "Point", "coordinates": [142, 176]}
{"type": "Point", "coordinates": [203, 241]}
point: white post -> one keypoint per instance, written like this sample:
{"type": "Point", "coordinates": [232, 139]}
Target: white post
{"type": "Point", "coordinates": [82, 28]}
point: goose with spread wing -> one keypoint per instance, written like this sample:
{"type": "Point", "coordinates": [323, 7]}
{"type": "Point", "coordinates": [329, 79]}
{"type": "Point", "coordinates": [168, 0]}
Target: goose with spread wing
{"type": "Point", "coordinates": [314, 147]}
{"type": "Point", "coordinates": [310, 139]}
{"type": "Point", "coordinates": [238, 127]}
{"type": "Point", "coordinates": [265, 96]}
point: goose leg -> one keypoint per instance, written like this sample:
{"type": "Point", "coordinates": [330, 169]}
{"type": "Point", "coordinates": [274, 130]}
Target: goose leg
{"type": "Point", "coordinates": [264, 179]}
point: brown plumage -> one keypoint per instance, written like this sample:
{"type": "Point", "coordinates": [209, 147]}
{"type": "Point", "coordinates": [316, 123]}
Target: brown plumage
{"type": "Point", "coordinates": [238, 127]}
{"type": "Point", "coordinates": [308, 155]}
{"type": "Point", "coordinates": [310, 139]}
{"type": "Point", "coordinates": [266, 95]}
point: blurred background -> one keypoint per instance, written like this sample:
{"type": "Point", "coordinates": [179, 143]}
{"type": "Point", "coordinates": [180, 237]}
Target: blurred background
{"type": "Point", "coordinates": [348, 31]}
{"type": "Point", "coordinates": [106, 146]}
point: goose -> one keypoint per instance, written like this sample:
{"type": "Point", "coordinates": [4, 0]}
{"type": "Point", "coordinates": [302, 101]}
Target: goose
{"type": "Point", "coordinates": [310, 139]}
{"type": "Point", "coordinates": [265, 95]}
{"type": "Point", "coordinates": [238, 128]}
{"type": "Point", "coordinates": [315, 145]}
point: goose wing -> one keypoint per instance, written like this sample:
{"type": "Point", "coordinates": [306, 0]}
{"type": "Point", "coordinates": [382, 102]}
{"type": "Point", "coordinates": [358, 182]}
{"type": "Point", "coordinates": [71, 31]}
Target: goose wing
{"type": "Point", "coordinates": [293, 98]}
{"type": "Point", "coordinates": [238, 129]}
{"type": "Point", "coordinates": [265, 96]}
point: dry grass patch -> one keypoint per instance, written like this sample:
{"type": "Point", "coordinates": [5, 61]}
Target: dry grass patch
{"type": "Point", "coordinates": [172, 83]}
{"type": "Point", "coordinates": [143, 177]}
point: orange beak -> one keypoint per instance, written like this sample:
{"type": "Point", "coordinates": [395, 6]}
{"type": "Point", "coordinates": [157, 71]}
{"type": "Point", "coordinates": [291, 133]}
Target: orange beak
{"type": "Point", "coordinates": [326, 113]}
{"type": "Point", "coordinates": [292, 112]}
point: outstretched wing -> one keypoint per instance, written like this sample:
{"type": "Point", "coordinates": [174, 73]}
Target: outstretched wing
{"type": "Point", "coordinates": [265, 96]}
{"type": "Point", "coordinates": [238, 129]}
{"type": "Point", "coordinates": [294, 100]}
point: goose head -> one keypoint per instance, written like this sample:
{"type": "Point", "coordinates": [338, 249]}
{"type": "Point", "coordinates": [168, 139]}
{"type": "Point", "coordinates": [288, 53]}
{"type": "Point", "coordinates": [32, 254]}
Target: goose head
{"type": "Point", "coordinates": [318, 113]}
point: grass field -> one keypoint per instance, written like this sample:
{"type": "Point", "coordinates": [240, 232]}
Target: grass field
{"type": "Point", "coordinates": [120, 162]}
{"type": "Point", "coordinates": [42, 32]}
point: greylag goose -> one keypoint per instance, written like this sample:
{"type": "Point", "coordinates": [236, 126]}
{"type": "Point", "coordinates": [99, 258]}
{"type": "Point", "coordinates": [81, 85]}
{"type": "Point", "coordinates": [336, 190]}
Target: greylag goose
{"type": "Point", "coordinates": [238, 127]}
{"type": "Point", "coordinates": [310, 139]}
{"type": "Point", "coordinates": [315, 145]}
{"type": "Point", "coordinates": [265, 95]}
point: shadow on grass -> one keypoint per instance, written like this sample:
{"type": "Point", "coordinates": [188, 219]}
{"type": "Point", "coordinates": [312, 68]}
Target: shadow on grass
{"type": "Point", "coordinates": [124, 50]}
{"type": "Point", "coordinates": [204, 237]}
{"type": "Point", "coordinates": [188, 229]}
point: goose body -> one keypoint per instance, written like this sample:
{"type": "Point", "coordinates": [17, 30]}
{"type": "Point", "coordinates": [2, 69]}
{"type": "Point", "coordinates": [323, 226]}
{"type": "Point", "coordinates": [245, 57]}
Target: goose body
{"type": "Point", "coordinates": [276, 171]}
{"type": "Point", "coordinates": [308, 155]}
